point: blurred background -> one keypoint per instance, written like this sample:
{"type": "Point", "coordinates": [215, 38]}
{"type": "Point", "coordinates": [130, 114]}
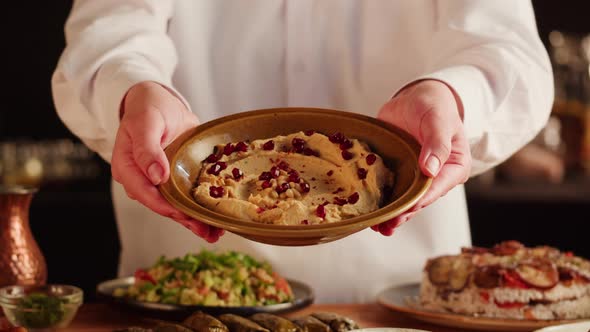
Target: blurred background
{"type": "Point", "coordinates": [539, 196]}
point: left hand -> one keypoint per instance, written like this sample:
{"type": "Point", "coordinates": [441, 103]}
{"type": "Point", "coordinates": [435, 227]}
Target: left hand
{"type": "Point", "coordinates": [430, 111]}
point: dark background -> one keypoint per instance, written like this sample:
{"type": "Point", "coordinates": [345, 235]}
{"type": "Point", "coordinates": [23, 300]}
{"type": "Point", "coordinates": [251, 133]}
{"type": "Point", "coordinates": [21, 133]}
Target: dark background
{"type": "Point", "coordinates": [73, 221]}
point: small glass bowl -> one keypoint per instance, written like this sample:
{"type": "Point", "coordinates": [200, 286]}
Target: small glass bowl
{"type": "Point", "coordinates": [41, 308]}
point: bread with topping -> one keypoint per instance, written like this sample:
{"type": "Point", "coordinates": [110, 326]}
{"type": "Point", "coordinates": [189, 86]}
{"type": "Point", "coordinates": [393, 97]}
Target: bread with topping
{"type": "Point", "coordinates": [508, 280]}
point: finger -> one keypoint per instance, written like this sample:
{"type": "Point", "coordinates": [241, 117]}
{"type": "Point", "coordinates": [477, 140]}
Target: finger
{"type": "Point", "coordinates": [456, 171]}
{"type": "Point", "coordinates": [146, 134]}
{"type": "Point", "coordinates": [387, 227]}
{"type": "Point", "coordinates": [449, 177]}
{"type": "Point", "coordinates": [209, 233]}
{"type": "Point", "coordinates": [436, 136]}
{"type": "Point", "coordinates": [195, 226]}
{"type": "Point", "coordinates": [121, 155]}
{"type": "Point", "coordinates": [141, 189]}
{"type": "Point", "coordinates": [217, 232]}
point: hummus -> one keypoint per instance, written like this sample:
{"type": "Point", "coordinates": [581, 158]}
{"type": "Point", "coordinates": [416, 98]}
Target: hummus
{"type": "Point", "coordinates": [302, 178]}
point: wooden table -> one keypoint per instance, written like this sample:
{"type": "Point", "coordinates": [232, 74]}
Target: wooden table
{"type": "Point", "coordinates": [103, 318]}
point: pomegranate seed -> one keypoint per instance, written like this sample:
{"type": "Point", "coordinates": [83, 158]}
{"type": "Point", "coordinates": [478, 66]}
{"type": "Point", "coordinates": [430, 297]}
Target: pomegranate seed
{"type": "Point", "coordinates": [268, 145]}
{"type": "Point", "coordinates": [346, 155]}
{"type": "Point", "coordinates": [340, 201]}
{"type": "Point", "coordinates": [321, 211]}
{"type": "Point", "coordinates": [260, 210]}
{"type": "Point", "coordinates": [283, 165]}
{"type": "Point", "coordinates": [237, 173]}
{"type": "Point", "coordinates": [310, 152]}
{"type": "Point", "coordinates": [298, 144]}
{"type": "Point", "coordinates": [346, 144]}
{"type": "Point", "coordinates": [283, 187]}
{"type": "Point", "coordinates": [339, 190]}
{"type": "Point", "coordinates": [265, 184]}
{"type": "Point", "coordinates": [216, 192]}
{"type": "Point", "coordinates": [362, 173]}
{"type": "Point", "coordinates": [336, 138]}
{"type": "Point", "coordinates": [353, 198]}
{"type": "Point", "coordinates": [228, 149]}
{"type": "Point", "coordinates": [371, 158]}
{"type": "Point", "coordinates": [293, 176]}
{"type": "Point", "coordinates": [265, 176]}
{"type": "Point", "coordinates": [309, 132]}
{"type": "Point", "coordinates": [330, 172]}
{"type": "Point", "coordinates": [217, 168]}
{"type": "Point", "coordinates": [241, 147]}
{"type": "Point", "coordinates": [304, 187]}
{"type": "Point", "coordinates": [305, 222]}
{"type": "Point", "coordinates": [213, 158]}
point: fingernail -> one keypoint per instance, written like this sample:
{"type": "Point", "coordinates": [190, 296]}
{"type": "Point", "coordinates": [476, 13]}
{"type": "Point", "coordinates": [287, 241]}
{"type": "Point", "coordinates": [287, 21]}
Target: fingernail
{"type": "Point", "coordinates": [432, 164]}
{"type": "Point", "coordinates": [155, 173]}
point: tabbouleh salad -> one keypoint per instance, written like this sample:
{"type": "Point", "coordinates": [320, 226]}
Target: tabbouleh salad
{"type": "Point", "coordinates": [207, 278]}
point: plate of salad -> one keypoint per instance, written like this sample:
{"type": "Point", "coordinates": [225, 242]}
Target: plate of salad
{"type": "Point", "coordinates": [216, 283]}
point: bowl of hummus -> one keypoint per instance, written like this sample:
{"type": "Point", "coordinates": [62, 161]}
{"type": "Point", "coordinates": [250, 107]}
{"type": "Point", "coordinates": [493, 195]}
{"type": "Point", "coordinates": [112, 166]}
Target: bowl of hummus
{"type": "Point", "coordinates": [294, 176]}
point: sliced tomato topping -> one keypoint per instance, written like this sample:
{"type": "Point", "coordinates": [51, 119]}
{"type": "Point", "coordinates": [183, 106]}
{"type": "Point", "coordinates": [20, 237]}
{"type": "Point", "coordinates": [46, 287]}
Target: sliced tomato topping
{"type": "Point", "coordinates": [485, 296]}
{"type": "Point", "coordinates": [512, 279]}
{"type": "Point", "coordinates": [509, 305]}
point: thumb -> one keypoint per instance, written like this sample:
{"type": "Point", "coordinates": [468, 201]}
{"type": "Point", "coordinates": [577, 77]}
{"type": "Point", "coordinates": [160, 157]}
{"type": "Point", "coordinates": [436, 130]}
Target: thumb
{"type": "Point", "coordinates": [436, 142]}
{"type": "Point", "coordinates": [146, 137]}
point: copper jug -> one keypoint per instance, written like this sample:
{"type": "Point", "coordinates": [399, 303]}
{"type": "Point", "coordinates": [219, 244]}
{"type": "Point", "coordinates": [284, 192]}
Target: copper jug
{"type": "Point", "coordinates": [21, 260]}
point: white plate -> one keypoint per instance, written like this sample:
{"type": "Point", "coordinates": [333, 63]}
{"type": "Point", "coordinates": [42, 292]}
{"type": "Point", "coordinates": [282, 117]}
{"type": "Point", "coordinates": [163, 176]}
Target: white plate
{"type": "Point", "coordinates": [399, 299]}
{"type": "Point", "coordinates": [575, 327]}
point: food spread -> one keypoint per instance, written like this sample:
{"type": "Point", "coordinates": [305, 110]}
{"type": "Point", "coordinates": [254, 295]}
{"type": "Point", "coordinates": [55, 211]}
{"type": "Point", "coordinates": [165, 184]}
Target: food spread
{"type": "Point", "coordinates": [509, 281]}
{"type": "Point", "coordinates": [298, 179]}
{"type": "Point", "coordinates": [207, 278]}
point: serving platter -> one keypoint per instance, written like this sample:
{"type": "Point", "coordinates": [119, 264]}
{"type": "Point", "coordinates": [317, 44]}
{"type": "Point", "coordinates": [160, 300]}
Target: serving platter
{"type": "Point", "coordinates": [304, 297]}
{"type": "Point", "coordinates": [403, 299]}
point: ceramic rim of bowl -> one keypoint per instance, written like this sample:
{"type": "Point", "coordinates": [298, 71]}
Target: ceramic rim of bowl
{"type": "Point", "coordinates": [75, 298]}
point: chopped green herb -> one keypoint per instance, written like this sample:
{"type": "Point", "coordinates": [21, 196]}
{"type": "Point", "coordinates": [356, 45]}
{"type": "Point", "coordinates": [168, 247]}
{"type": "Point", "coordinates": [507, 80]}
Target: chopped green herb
{"type": "Point", "coordinates": [38, 310]}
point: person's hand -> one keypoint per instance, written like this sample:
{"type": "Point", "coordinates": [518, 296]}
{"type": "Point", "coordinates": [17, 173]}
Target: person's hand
{"type": "Point", "coordinates": [151, 118]}
{"type": "Point", "coordinates": [430, 111]}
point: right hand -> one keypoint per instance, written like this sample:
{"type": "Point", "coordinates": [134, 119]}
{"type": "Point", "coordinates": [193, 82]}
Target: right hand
{"type": "Point", "coordinates": [151, 118]}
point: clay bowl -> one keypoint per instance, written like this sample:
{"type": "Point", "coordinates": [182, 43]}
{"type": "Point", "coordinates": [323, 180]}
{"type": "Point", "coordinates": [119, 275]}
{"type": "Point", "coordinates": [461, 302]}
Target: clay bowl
{"type": "Point", "coordinates": [399, 150]}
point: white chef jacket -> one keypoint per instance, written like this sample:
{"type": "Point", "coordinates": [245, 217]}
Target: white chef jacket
{"type": "Point", "coordinates": [227, 56]}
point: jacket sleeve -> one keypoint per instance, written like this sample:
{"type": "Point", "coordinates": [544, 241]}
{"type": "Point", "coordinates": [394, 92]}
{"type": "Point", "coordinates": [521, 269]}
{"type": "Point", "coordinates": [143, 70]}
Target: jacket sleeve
{"type": "Point", "coordinates": [110, 46]}
{"type": "Point", "coordinates": [490, 53]}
